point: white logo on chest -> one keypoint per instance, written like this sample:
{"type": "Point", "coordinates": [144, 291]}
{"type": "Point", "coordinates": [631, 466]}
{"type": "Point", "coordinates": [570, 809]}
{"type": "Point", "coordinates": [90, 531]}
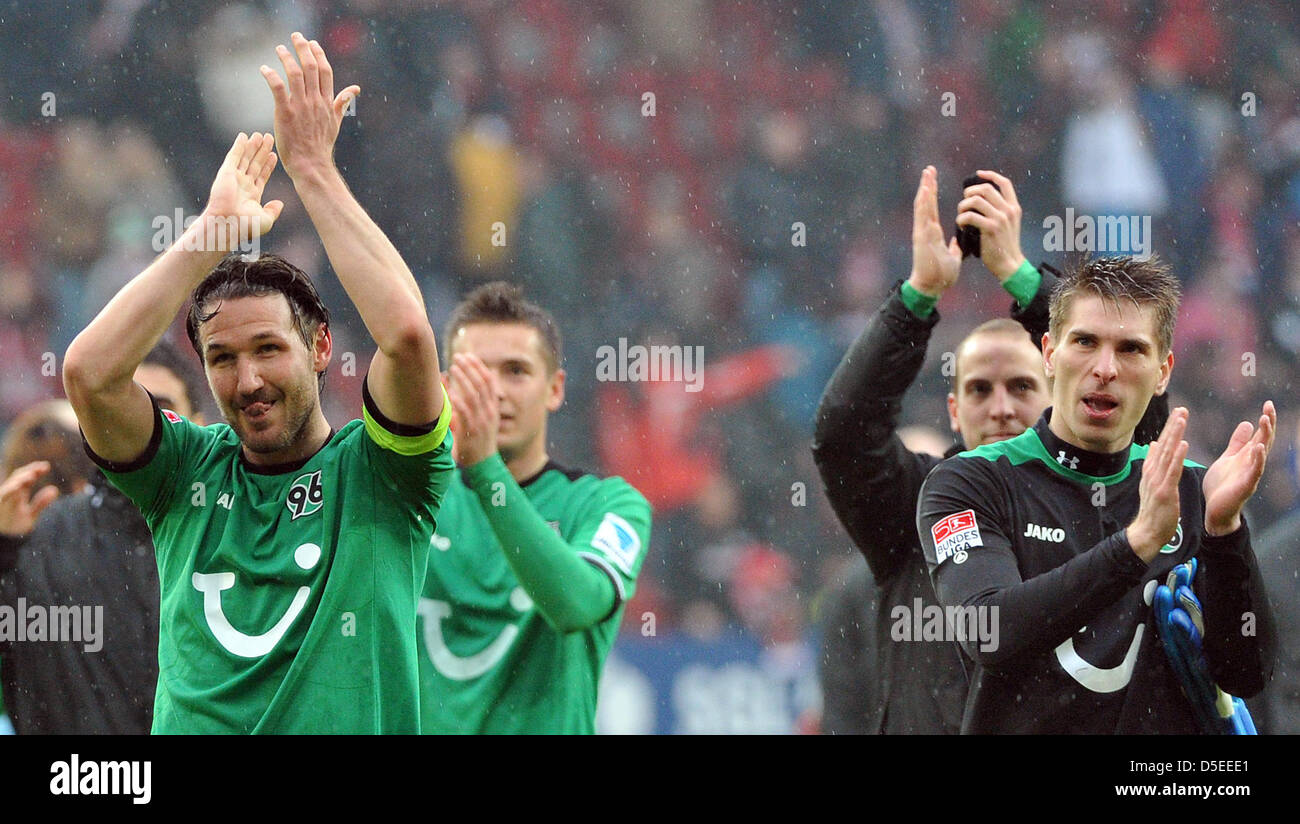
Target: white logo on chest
{"type": "Point", "coordinates": [456, 667]}
{"type": "Point", "coordinates": [212, 584]}
{"type": "Point", "coordinates": [1045, 533]}
{"type": "Point", "coordinates": [1100, 679]}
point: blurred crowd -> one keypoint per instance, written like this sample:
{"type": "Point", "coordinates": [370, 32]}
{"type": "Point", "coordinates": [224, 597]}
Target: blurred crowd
{"type": "Point", "coordinates": [730, 175]}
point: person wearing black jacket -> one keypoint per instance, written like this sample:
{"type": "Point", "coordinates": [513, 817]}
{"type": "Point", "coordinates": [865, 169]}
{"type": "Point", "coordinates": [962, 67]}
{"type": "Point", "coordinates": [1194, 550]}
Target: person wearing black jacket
{"type": "Point", "coordinates": [1060, 536]}
{"type": "Point", "coordinates": [873, 480]}
{"type": "Point", "coordinates": [92, 551]}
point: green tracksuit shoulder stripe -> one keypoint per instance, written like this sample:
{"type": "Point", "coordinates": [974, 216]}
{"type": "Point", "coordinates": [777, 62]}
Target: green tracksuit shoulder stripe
{"type": "Point", "coordinates": [1027, 446]}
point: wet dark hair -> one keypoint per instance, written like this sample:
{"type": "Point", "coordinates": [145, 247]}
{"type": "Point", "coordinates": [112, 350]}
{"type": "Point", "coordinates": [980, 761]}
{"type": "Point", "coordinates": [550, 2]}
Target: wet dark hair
{"type": "Point", "coordinates": [501, 302]}
{"type": "Point", "coordinates": [237, 277]}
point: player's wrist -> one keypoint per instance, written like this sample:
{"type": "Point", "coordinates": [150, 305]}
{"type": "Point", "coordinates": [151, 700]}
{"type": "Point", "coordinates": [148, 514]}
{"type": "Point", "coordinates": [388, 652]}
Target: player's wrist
{"type": "Point", "coordinates": [1023, 282]}
{"type": "Point", "coordinates": [313, 173]}
{"type": "Point", "coordinates": [919, 303]}
{"type": "Point", "coordinates": [212, 235]}
{"type": "Point", "coordinates": [1143, 542]}
{"type": "Point", "coordinates": [1004, 267]}
{"type": "Point", "coordinates": [484, 470]}
{"type": "Point", "coordinates": [927, 287]}
{"type": "Point", "coordinates": [1219, 527]}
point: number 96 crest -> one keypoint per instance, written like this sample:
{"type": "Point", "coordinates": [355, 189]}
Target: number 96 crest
{"type": "Point", "coordinates": [306, 495]}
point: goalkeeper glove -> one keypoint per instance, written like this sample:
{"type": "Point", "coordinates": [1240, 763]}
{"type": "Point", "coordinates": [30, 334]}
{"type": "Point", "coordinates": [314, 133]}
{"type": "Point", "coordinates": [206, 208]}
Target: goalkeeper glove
{"type": "Point", "coordinates": [1181, 626]}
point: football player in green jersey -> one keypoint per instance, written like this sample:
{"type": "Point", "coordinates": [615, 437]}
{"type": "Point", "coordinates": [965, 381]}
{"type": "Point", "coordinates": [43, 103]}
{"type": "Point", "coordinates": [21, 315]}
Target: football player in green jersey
{"type": "Point", "coordinates": [290, 554]}
{"type": "Point", "coordinates": [532, 562]}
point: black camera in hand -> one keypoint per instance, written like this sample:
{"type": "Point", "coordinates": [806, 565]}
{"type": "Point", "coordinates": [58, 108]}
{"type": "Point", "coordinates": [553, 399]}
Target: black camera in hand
{"type": "Point", "coordinates": [968, 237]}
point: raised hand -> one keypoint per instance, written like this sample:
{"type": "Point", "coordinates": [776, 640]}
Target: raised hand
{"type": "Point", "coordinates": [235, 213]}
{"type": "Point", "coordinates": [19, 509]}
{"type": "Point", "coordinates": [1157, 518]}
{"type": "Point", "coordinates": [308, 114]}
{"type": "Point", "coordinates": [475, 408]}
{"type": "Point", "coordinates": [935, 265]}
{"type": "Point", "coordinates": [997, 215]}
{"type": "Point", "coordinates": [1234, 477]}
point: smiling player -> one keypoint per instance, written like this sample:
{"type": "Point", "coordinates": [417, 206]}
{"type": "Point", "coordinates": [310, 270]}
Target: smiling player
{"type": "Point", "coordinates": [1066, 530]}
{"type": "Point", "coordinates": [532, 562]}
{"type": "Point", "coordinates": [290, 554]}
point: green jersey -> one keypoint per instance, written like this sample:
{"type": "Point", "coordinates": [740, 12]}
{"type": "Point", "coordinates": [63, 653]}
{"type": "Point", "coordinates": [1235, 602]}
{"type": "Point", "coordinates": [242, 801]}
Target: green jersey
{"type": "Point", "coordinates": [491, 660]}
{"type": "Point", "coordinates": [288, 593]}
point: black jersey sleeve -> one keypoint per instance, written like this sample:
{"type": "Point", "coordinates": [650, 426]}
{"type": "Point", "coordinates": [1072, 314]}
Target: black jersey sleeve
{"type": "Point", "coordinates": [870, 478]}
{"type": "Point", "coordinates": [1240, 636]}
{"type": "Point", "coordinates": [964, 524]}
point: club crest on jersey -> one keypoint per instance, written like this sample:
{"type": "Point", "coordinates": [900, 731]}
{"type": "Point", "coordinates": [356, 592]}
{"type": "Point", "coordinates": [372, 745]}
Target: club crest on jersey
{"type": "Point", "coordinates": [618, 540]}
{"type": "Point", "coordinates": [306, 495]}
{"type": "Point", "coordinates": [1176, 542]}
{"type": "Point", "coordinates": [955, 535]}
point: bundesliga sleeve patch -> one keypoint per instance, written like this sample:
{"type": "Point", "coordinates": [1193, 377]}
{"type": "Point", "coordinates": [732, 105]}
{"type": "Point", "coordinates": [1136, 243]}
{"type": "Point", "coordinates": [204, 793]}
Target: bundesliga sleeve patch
{"type": "Point", "coordinates": [618, 541]}
{"type": "Point", "coordinates": [954, 535]}
{"type": "Point", "coordinates": [171, 416]}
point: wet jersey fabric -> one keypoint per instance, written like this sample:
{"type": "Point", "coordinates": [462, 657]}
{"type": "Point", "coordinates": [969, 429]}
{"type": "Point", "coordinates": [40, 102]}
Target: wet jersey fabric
{"type": "Point", "coordinates": [1028, 536]}
{"type": "Point", "coordinates": [872, 482]}
{"type": "Point", "coordinates": [490, 662]}
{"type": "Point", "coordinates": [289, 592]}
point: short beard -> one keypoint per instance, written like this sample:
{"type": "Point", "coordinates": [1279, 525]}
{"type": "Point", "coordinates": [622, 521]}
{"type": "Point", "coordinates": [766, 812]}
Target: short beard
{"type": "Point", "coordinates": [291, 436]}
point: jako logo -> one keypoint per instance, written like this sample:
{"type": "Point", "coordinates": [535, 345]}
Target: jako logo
{"type": "Point", "coordinates": [1045, 533]}
{"type": "Point", "coordinates": [77, 777]}
{"type": "Point", "coordinates": [651, 363]}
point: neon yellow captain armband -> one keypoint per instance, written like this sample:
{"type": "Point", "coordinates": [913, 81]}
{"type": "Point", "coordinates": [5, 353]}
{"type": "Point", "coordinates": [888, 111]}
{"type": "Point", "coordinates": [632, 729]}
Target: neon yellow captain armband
{"type": "Point", "coordinates": [411, 444]}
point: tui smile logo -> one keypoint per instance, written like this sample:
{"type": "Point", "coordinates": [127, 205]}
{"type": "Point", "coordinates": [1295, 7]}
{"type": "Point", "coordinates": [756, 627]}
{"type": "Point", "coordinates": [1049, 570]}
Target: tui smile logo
{"type": "Point", "coordinates": [467, 667]}
{"type": "Point", "coordinates": [239, 643]}
{"type": "Point", "coordinates": [1104, 679]}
